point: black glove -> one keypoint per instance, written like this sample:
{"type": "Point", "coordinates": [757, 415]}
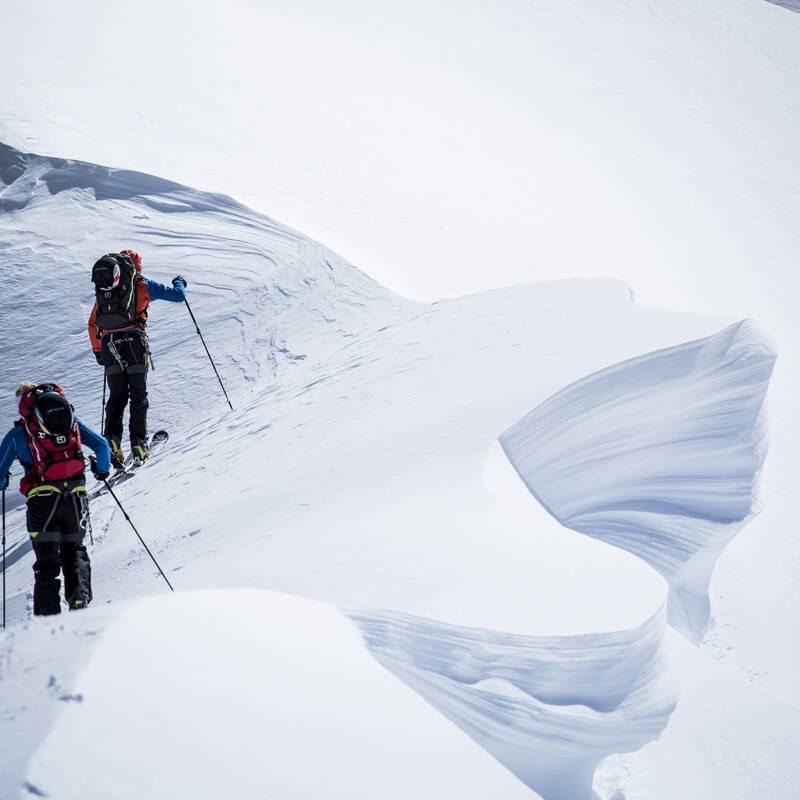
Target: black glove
{"type": "Point", "coordinates": [4, 481]}
{"type": "Point", "coordinates": [98, 357]}
{"type": "Point", "coordinates": [180, 279]}
{"type": "Point", "coordinates": [101, 476]}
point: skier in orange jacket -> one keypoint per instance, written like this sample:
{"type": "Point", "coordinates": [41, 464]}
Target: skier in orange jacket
{"type": "Point", "coordinates": [117, 332]}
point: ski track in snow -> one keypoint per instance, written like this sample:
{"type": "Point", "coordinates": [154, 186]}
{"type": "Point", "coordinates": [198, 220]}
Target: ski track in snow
{"type": "Point", "coordinates": [307, 345]}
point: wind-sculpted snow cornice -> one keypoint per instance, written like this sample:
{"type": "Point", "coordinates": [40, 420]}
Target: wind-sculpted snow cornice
{"type": "Point", "coordinates": [22, 172]}
{"type": "Point", "coordinates": [659, 455]}
{"type": "Point", "coordinates": [548, 707]}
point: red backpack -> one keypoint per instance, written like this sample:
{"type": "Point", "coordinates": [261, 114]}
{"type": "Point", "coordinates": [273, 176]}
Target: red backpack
{"type": "Point", "coordinates": [56, 456]}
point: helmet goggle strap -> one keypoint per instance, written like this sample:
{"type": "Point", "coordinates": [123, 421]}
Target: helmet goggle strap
{"type": "Point", "coordinates": [41, 422]}
{"type": "Point", "coordinates": [63, 415]}
{"type": "Point", "coordinates": [115, 274]}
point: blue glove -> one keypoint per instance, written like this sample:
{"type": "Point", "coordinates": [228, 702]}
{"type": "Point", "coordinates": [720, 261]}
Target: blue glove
{"type": "Point", "coordinates": [4, 479]}
{"type": "Point", "coordinates": [180, 279]}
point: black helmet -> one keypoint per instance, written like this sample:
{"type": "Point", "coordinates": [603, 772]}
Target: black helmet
{"type": "Point", "coordinates": [106, 272]}
{"type": "Point", "coordinates": [54, 413]}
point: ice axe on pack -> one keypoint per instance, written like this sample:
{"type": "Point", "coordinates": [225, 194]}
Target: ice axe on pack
{"type": "Point", "coordinates": [197, 328]}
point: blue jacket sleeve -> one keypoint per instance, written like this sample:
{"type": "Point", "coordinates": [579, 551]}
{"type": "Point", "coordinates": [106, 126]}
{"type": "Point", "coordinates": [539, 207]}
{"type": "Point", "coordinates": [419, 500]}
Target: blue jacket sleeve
{"type": "Point", "coordinates": [8, 451]}
{"type": "Point", "coordinates": [175, 294]}
{"type": "Point", "coordinates": [99, 444]}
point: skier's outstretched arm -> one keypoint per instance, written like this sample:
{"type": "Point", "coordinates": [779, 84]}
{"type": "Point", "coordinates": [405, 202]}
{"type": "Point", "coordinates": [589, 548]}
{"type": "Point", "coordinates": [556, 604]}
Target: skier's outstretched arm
{"type": "Point", "coordinates": [8, 450]}
{"type": "Point", "coordinates": [174, 294]}
{"type": "Point", "coordinates": [99, 444]}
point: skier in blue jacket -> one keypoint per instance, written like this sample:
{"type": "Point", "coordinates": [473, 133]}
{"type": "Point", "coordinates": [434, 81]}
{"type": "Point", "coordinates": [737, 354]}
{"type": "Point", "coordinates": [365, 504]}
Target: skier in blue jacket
{"type": "Point", "coordinates": [47, 441]}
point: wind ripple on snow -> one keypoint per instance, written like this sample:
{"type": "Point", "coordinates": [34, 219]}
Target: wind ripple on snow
{"type": "Point", "coordinates": [659, 455]}
{"type": "Point", "coordinates": [267, 296]}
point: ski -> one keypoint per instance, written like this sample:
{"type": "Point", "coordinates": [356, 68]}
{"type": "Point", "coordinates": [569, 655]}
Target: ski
{"type": "Point", "coordinates": [132, 464]}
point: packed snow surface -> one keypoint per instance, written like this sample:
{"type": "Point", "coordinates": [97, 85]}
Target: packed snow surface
{"type": "Point", "coordinates": [248, 693]}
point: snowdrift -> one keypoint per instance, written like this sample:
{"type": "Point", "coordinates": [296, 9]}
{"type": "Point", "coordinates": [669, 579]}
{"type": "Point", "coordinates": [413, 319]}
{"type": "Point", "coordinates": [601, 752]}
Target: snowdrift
{"type": "Point", "coordinates": [206, 695]}
{"type": "Point", "coordinates": [659, 455]}
{"type": "Point", "coordinates": [549, 708]}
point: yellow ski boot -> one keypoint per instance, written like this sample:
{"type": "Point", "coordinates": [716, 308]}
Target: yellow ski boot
{"type": "Point", "coordinates": [117, 456]}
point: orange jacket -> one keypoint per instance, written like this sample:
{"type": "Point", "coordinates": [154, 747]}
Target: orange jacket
{"type": "Point", "coordinates": [146, 291]}
{"type": "Point", "coordinates": [142, 304]}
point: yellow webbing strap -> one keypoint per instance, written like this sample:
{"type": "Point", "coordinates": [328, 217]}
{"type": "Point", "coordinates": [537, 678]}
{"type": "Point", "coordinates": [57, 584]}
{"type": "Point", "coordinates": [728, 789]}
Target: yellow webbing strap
{"type": "Point", "coordinates": [48, 489]}
{"type": "Point", "coordinates": [43, 491]}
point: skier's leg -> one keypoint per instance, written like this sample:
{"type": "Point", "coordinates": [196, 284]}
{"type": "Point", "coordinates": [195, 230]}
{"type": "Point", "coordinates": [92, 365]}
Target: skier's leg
{"type": "Point", "coordinates": [117, 400]}
{"type": "Point", "coordinates": [46, 585]}
{"type": "Point", "coordinates": [77, 574]}
{"type": "Point", "coordinates": [117, 389]}
{"type": "Point", "coordinates": [137, 388]}
{"type": "Point", "coordinates": [74, 558]}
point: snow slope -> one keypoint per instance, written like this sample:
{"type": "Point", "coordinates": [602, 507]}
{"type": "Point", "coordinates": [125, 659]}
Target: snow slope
{"type": "Point", "coordinates": [251, 694]}
{"type": "Point", "coordinates": [652, 142]}
{"type": "Point", "coordinates": [750, 736]}
{"type": "Point", "coordinates": [361, 469]}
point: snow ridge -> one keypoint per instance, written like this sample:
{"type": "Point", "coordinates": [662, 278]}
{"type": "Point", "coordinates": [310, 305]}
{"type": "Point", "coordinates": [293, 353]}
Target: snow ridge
{"type": "Point", "coordinates": [549, 708]}
{"type": "Point", "coordinates": [284, 297]}
{"type": "Point", "coordinates": [23, 173]}
{"type": "Point", "coordinates": [659, 455]}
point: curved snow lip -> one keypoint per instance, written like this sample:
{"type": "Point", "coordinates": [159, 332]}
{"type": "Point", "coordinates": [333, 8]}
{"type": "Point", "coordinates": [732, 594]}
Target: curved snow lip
{"type": "Point", "coordinates": [22, 172]}
{"type": "Point", "coordinates": [549, 708]}
{"type": "Point", "coordinates": [659, 455]}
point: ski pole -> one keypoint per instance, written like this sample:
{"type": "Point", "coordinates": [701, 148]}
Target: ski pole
{"type": "Point", "coordinates": [4, 556]}
{"type": "Point", "coordinates": [125, 514]}
{"type": "Point", "coordinates": [103, 410]}
{"type": "Point", "coordinates": [197, 328]}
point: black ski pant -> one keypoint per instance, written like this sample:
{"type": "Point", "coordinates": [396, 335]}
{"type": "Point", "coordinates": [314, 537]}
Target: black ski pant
{"type": "Point", "coordinates": [57, 524]}
{"type": "Point", "coordinates": [126, 358]}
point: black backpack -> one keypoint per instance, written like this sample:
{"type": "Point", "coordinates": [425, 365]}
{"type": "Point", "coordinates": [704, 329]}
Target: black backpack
{"type": "Point", "coordinates": [116, 299]}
